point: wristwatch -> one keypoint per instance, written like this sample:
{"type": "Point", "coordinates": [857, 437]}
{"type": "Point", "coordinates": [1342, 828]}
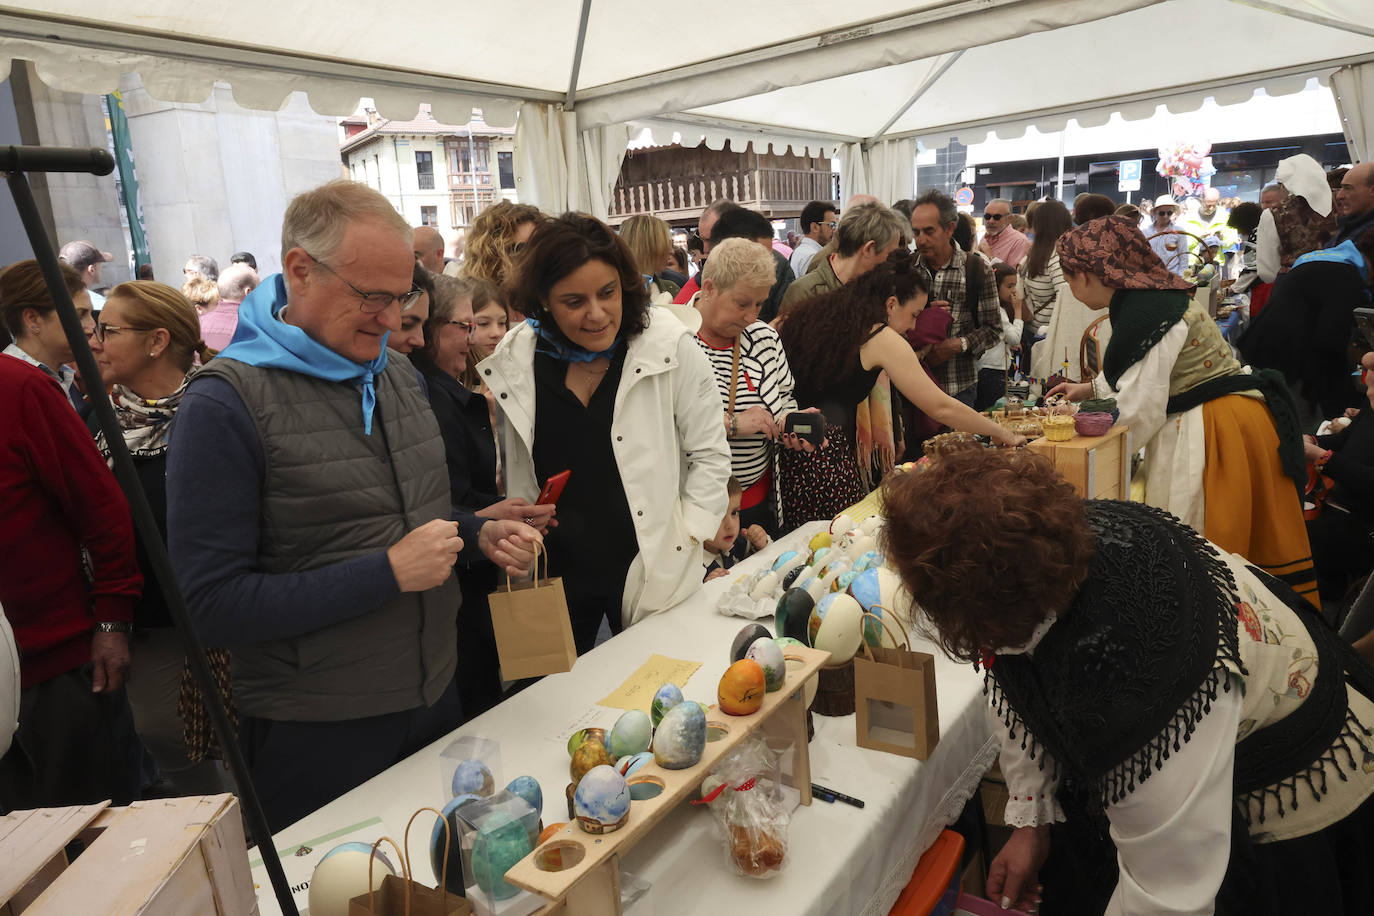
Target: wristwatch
{"type": "Point", "coordinates": [111, 626]}
{"type": "Point", "coordinates": [963, 344]}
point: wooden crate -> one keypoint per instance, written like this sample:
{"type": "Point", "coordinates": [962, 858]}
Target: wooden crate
{"type": "Point", "coordinates": [169, 856]}
{"type": "Point", "coordinates": [1097, 466]}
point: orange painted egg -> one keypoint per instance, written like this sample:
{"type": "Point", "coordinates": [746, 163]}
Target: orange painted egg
{"type": "Point", "coordinates": [549, 831]}
{"type": "Point", "coordinates": [742, 688]}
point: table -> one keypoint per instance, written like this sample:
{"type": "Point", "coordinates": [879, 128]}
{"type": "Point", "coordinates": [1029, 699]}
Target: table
{"type": "Point", "coordinates": [840, 859]}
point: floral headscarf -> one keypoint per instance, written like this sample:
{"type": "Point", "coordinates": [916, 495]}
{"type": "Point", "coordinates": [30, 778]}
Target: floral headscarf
{"type": "Point", "coordinates": [1114, 249]}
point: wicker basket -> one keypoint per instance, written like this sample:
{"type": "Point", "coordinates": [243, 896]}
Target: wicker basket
{"type": "Point", "coordinates": [1058, 428]}
{"type": "Point", "coordinates": [1092, 423]}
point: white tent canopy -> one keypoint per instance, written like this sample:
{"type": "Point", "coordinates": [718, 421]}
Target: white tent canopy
{"type": "Point", "coordinates": [800, 73]}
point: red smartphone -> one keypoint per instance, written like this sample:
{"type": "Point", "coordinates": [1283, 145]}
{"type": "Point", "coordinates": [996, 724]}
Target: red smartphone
{"type": "Point", "coordinates": [553, 488]}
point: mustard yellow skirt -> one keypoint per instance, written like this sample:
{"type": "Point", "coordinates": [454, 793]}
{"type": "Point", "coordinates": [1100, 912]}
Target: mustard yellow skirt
{"type": "Point", "coordinates": [1253, 508]}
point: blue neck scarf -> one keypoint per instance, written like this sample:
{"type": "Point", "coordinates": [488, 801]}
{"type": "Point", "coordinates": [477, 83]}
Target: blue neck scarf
{"type": "Point", "coordinates": [569, 352]}
{"type": "Point", "coordinates": [1344, 253]}
{"type": "Point", "coordinates": [264, 340]}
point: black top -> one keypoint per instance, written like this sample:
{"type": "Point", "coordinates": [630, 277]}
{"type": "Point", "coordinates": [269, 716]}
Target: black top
{"type": "Point", "coordinates": [594, 543]}
{"type": "Point", "coordinates": [840, 400]}
{"type": "Point", "coordinates": [469, 447]}
{"type": "Point", "coordinates": [1351, 467]}
{"type": "Point", "coordinates": [782, 278]}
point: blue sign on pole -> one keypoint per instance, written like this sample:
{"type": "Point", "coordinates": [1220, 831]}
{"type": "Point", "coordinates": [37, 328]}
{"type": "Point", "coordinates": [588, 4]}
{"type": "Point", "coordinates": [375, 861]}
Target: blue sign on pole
{"type": "Point", "coordinates": [1130, 169]}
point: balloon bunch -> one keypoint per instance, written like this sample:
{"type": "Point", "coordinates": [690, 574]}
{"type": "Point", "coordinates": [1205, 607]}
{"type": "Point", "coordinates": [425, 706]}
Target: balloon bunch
{"type": "Point", "coordinates": [1188, 164]}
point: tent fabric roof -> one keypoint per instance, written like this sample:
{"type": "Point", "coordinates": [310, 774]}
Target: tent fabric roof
{"type": "Point", "coordinates": [808, 72]}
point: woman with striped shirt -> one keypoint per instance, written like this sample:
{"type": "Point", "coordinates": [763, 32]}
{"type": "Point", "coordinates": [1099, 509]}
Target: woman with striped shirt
{"type": "Point", "coordinates": [751, 370]}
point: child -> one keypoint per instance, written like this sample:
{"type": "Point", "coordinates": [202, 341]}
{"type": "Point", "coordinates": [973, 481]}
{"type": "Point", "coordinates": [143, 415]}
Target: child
{"type": "Point", "coordinates": [720, 548]}
{"type": "Point", "coordinates": [992, 365]}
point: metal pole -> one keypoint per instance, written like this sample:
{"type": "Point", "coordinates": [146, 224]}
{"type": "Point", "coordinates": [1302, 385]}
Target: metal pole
{"type": "Point", "coordinates": [147, 528]}
{"type": "Point", "coordinates": [1059, 186]}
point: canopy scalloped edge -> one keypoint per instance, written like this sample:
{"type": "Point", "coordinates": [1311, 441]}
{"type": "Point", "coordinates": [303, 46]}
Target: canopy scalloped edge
{"type": "Point", "coordinates": [714, 137]}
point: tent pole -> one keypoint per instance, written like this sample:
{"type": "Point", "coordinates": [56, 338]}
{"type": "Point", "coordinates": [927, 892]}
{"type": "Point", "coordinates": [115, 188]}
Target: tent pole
{"type": "Point", "coordinates": [1059, 187]}
{"type": "Point", "coordinates": [577, 55]}
{"type": "Point", "coordinates": [921, 90]}
{"type": "Point", "coordinates": [1280, 9]}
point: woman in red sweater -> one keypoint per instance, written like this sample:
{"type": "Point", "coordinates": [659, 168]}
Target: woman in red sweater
{"type": "Point", "coordinates": [68, 582]}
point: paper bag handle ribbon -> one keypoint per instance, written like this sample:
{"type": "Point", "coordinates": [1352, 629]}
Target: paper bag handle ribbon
{"type": "Point", "coordinates": [539, 551]}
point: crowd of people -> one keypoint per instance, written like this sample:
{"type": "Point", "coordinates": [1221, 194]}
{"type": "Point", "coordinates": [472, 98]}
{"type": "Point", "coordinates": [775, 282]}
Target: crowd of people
{"type": "Point", "coordinates": [345, 458]}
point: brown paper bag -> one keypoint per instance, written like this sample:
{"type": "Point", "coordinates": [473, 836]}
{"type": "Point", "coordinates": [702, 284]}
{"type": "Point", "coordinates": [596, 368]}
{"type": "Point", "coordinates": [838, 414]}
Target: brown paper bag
{"type": "Point", "coordinates": [401, 896]}
{"type": "Point", "coordinates": [533, 631]}
{"type": "Point", "coordinates": [894, 698]}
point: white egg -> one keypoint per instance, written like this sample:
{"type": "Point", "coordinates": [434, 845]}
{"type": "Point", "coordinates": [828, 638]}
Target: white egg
{"type": "Point", "coordinates": [765, 587]}
{"type": "Point", "coordinates": [871, 525]}
{"type": "Point", "coordinates": [840, 524]}
{"type": "Point", "coordinates": [791, 564]}
{"type": "Point", "coordinates": [893, 595]}
{"type": "Point", "coordinates": [816, 587]}
{"type": "Point", "coordinates": [863, 544]}
{"type": "Point", "coordinates": [841, 630]}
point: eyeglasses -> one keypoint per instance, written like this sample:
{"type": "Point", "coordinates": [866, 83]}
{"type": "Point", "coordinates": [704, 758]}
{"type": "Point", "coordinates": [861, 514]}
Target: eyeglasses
{"type": "Point", "coordinates": [374, 302]}
{"type": "Point", "coordinates": [832, 224]}
{"type": "Point", "coordinates": [102, 329]}
{"type": "Point", "coordinates": [994, 217]}
{"type": "Point", "coordinates": [464, 326]}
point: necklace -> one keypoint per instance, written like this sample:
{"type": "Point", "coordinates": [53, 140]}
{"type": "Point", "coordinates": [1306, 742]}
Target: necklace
{"type": "Point", "coordinates": [587, 368]}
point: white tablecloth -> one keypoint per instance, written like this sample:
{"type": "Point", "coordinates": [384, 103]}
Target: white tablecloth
{"type": "Point", "coordinates": [841, 859]}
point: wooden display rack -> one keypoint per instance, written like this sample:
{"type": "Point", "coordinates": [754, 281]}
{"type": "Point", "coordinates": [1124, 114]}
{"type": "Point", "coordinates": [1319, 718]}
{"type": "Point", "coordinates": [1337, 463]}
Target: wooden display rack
{"type": "Point", "coordinates": [169, 856]}
{"type": "Point", "coordinates": [591, 884]}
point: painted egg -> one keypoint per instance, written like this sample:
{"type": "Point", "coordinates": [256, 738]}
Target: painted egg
{"type": "Point", "coordinates": [602, 801]}
{"type": "Point", "coordinates": [342, 875]}
{"type": "Point", "coordinates": [582, 734]}
{"type": "Point", "coordinates": [868, 560]}
{"type": "Point", "coordinates": [836, 626]}
{"type": "Point", "coordinates": [765, 586]}
{"type": "Point", "coordinates": [454, 882]}
{"type": "Point", "coordinates": [817, 588]}
{"type": "Point", "coordinates": [626, 766]}
{"type": "Point", "coordinates": [549, 831]}
{"type": "Point", "coordinates": [818, 557]}
{"type": "Point", "coordinates": [840, 524]}
{"type": "Point", "coordinates": [845, 542]}
{"type": "Point", "coordinates": [527, 787]}
{"type": "Point", "coordinates": [681, 736]}
{"type": "Point", "coordinates": [795, 574]}
{"type": "Point", "coordinates": [862, 545]}
{"type": "Point", "coordinates": [745, 638]}
{"type": "Point", "coordinates": [589, 754]}
{"type": "Point", "coordinates": [472, 777]}
{"type": "Point", "coordinates": [665, 698]}
{"type": "Point", "coordinates": [766, 652]}
{"type": "Point", "coordinates": [865, 589]}
{"type": "Point", "coordinates": [875, 634]}
{"type": "Point", "coordinates": [871, 525]}
{"type": "Point", "coordinates": [822, 539]}
{"type": "Point", "coordinates": [784, 560]}
{"type": "Point", "coordinates": [893, 594]}
{"type": "Point", "coordinates": [794, 608]}
{"type": "Point", "coordinates": [742, 687]}
{"type": "Point", "coordinates": [786, 642]}
{"type": "Point", "coordinates": [807, 573]}
{"type": "Point", "coordinates": [833, 573]}
{"type": "Point", "coordinates": [794, 664]}
{"type": "Point", "coordinates": [501, 842]}
{"type": "Point", "coordinates": [631, 735]}
{"type": "Point", "coordinates": [842, 582]}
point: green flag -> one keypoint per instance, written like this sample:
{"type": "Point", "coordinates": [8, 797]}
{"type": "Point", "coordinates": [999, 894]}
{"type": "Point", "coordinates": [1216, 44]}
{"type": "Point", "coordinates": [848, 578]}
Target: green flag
{"type": "Point", "coordinates": [128, 177]}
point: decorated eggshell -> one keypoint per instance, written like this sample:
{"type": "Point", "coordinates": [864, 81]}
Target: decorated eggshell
{"type": "Point", "coordinates": [745, 638]}
{"type": "Point", "coordinates": [794, 609]}
{"type": "Point", "coordinates": [454, 882]}
{"type": "Point", "coordinates": [875, 634]}
{"type": "Point", "coordinates": [818, 557]}
{"type": "Point", "coordinates": [822, 539]}
{"type": "Point", "coordinates": [602, 800]}
{"type": "Point", "coordinates": [501, 842]}
{"type": "Point", "coordinates": [784, 561]}
{"type": "Point", "coordinates": [769, 657]}
{"type": "Point", "coordinates": [842, 582]}
{"type": "Point", "coordinates": [840, 524]}
{"type": "Point", "coordinates": [631, 735]}
{"type": "Point", "coordinates": [862, 545]}
{"type": "Point", "coordinates": [817, 588]}
{"type": "Point", "coordinates": [626, 766]}
{"type": "Point", "coordinates": [582, 734]}
{"type": "Point", "coordinates": [894, 595]}
{"type": "Point", "coordinates": [527, 787]}
{"type": "Point", "coordinates": [681, 736]}
{"type": "Point", "coordinates": [832, 573]}
{"type": "Point", "coordinates": [845, 542]}
{"type": "Point", "coordinates": [836, 627]}
{"type": "Point", "coordinates": [794, 574]}
{"type": "Point", "coordinates": [549, 831]}
{"type": "Point", "coordinates": [871, 525]}
{"type": "Point", "coordinates": [794, 664]}
{"type": "Point", "coordinates": [471, 776]}
{"type": "Point", "coordinates": [342, 875]}
{"type": "Point", "coordinates": [765, 587]}
{"type": "Point", "coordinates": [786, 642]}
{"type": "Point", "coordinates": [665, 698]}
{"type": "Point", "coordinates": [742, 687]}
{"type": "Point", "coordinates": [865, 589]}
{"type": "Point", "coordinates": [589, 754]}
{"type": "Point", "coordinates": [867, 560]}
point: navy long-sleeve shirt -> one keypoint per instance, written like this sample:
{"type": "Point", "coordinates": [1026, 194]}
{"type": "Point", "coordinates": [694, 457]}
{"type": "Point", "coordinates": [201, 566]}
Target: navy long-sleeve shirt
{"type": "Point", "coordinates": [216, 471]}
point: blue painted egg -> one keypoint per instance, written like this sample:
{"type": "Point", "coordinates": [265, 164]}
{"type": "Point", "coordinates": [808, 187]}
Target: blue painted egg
{"type": "Point", "coordinates": [681, 737]}
{"type": "Point", "coordinates": [866, 589]}
{"type": "Point", "coordinates": [665, 698]}
{"type": "Point", "coordinates": [602, 800]}
{"type": "Point", "coordinates": [527, 787]}
{"type": "Point", "coordinates": [818, 558]}
{"type": "Point", "coordinates": [842, 582]}
{"type": "Point", "coordinates": [626, 766]}
{"type": "Point", "coordinates": [784, 560]}
{"type": "Point", "coordinates": [472, 777]}
{"type": "Point", "coordinates": [501, 842]}
{"type": "Point", "coordinates": [631, 735]}
{"type": "Point", "coordinates": [454, 882]}
{"type": "Point", "coordinates": [342, 875]}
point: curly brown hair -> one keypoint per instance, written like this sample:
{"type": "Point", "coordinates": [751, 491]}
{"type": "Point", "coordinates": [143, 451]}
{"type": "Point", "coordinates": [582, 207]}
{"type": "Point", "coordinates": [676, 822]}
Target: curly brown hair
{"type": "Point", "coordinates": [822, 335]}
{"type": "Point", "coordinates": [988, 541]}
{"type": "Point", "coordinates": [491, 247]}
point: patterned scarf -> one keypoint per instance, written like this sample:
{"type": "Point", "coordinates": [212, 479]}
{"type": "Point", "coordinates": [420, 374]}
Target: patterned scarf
{"type": "Point", "coordinates": [873, 431]}
{"type": "Point", "coordinates": [145, 421]}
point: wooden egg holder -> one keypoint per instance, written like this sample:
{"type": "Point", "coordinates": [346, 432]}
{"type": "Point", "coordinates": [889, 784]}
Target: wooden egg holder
{"type": "Point", "coordinates": [591, 884]}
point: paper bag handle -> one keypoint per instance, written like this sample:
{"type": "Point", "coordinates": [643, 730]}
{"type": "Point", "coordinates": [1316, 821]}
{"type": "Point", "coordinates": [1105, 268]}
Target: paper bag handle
{"type": "Point", "coordinates": [882, 620]}
{"type": "Point", "coordinates": [405, 871]}
{"type": "Point", "coordinates": [539, 551]}
{"type": "Point", "coordinates": [448, 838]}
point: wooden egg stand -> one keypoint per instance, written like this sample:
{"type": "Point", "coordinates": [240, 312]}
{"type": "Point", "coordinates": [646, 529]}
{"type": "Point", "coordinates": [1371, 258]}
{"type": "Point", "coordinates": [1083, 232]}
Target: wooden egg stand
{"type": "Point", "coordinates": [591, 884]}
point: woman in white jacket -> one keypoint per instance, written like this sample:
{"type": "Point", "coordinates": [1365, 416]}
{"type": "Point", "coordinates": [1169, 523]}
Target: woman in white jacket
{"type": "Point", "coordinates": [599, 383]}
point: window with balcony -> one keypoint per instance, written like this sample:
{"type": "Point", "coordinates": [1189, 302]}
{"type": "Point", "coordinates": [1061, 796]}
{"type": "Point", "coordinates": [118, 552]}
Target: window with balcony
{"type": "Point", "coordinates": [429, 216]}
{"type": "Point", "coordinates": [424, 169]}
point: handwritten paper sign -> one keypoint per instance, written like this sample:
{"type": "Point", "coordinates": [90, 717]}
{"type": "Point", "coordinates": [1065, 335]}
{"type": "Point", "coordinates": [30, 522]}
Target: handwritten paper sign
{"type": "Point", "coordinates": [638, 690]}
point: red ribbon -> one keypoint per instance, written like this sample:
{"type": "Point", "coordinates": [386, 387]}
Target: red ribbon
{"type": "Point", "coordinates": [715, 793]}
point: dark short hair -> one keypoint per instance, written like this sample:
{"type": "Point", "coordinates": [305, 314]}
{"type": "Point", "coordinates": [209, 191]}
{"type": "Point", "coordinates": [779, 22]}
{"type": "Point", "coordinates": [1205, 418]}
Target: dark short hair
{"type": "Point", "coordinates": [1245, 217]}
{"type": "Point", "coordinates": [1001, 270]}
{"type": "Point", "coordinates": [145, 272]}
{"type": "Point", "coordinates": [940, 201]}
{"type": "Point", "coordinates": [978, 531]}
{"type": "Point", "coordinates": [1089, 207]}
{"type": "Point", "coordinates": [22, 287]}
{"type": "Point", "coordinates": [739, 223]}
{"type": "Point", "coordinates": [905, 206]}
{"type": "Point", "coordinates": [424, 280]}
{"type": "Point", "coordinates": [560, 246]}
{"type": "Point", "coordinates": [965, 231]}
{"type": "Point", "coordinates": [244, 257]}
{"type": "Point", "coordinates": [814, 212]}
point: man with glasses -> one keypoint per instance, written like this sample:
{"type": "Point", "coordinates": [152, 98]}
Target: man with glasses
{"type": "Point", "coordinates": [818, 220]}
{"type": "Point", "coordinates": [1166, 237]}
{"type": "Point", "coordinates": [1002, 242]}
{"type": "Point", "coordinates": [705, 225]}
{"type": "Point", "coordinates": [309, 513]}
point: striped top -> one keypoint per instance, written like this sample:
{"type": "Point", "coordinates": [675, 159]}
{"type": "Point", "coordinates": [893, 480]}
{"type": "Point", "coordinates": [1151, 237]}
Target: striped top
{"type": "Point", "coordinates": [765, 380]}
{"type": "Point", "coordinates": [1042, 290]}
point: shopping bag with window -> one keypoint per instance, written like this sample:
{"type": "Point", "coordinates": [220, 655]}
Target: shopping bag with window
{"type": "Point", "coordinates": [894, 691]}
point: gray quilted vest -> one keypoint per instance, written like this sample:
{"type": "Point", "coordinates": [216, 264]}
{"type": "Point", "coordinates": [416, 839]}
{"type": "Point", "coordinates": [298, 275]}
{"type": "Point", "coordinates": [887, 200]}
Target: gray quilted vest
{"type": "Point", "coordinates": [332, 493]}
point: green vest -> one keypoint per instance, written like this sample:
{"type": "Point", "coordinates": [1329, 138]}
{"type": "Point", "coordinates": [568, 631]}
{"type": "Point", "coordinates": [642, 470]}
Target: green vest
{"type": "Point", "coordinates": [1205, 355]}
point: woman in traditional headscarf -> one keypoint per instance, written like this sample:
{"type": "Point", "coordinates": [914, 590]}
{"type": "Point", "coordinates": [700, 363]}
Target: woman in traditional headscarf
{"type": "Point", "coordinates": [1301, 222]}
{"type": "Point", "coordinates": [1223, 450]}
